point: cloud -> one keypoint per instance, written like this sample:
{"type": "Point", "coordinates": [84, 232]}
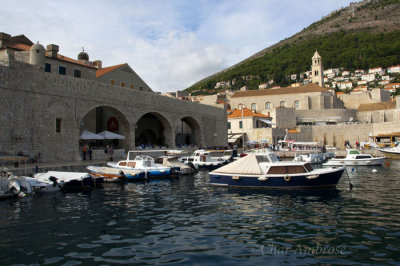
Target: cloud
{"type": "Point", "coordinates": [170, 44]}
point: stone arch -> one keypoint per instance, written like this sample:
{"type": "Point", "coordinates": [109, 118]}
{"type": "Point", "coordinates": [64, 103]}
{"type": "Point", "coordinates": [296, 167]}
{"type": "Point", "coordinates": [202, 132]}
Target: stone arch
{"type": "Point", "coordinates": [97, 119]}
{"type": "Point", "coordinates": [153, 129]}
{"type": "Point", "coordinates": [188, 132]}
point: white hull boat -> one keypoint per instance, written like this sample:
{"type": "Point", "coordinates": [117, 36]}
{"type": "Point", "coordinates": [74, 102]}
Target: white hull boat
{"type": "Point", "coordinates": [354, 158]}
{"type": "Point", "coordinates": [67, 180]}
{"type": "Point", "coordinates": [391, 153]}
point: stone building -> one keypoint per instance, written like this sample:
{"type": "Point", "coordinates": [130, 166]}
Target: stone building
{"type": "Point", "coordinates": [47, 100]}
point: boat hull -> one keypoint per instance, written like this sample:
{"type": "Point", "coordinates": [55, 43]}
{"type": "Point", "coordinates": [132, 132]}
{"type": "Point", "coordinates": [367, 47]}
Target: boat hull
{"type": "Point", "coordinates": [112, 174]}
{"type": "Point", "coordinates": [298, 181]}
{"type": "Point", "coordinates": [391, 154]}
{"type": "Point", "coordinates": [355, 162]}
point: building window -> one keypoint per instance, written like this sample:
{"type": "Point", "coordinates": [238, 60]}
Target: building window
{"type": "Point", "coordinates": [282, 104]}
{"type": "Point", "coordinates": [268, 105]}
{"type": "Point", "coordinates": [296, 104]}
{"type": "Point", "coordinates": [47, 67]}
{"type": "Point", "coordinates": [229, 125]}
{"type": "Point", "coordinates": [316, 73]}
{"type": "Point", "coordinates": [62, 70]}
{"type": "Point", "coordinates": [240, 124]}
{"type": "Point", "coordinates": [131, 86]}
{"type": "Point", "coordinates": [123, 84]}
{"type": "Point", "coordinates": [112, 82]}
{"type": "Point", "coordinates": [141, 88]}
{"type": "Point", "coordinates": [58, 125]}
{"type": "Point", "coordinates": [77, 73]}
{"type": "Point", "coordinates": [253, 106]}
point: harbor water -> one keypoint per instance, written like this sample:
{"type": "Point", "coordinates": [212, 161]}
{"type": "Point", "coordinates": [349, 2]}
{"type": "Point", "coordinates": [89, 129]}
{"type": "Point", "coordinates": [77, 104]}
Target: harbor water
{"type": "Point", "coordinates": [184, 221]}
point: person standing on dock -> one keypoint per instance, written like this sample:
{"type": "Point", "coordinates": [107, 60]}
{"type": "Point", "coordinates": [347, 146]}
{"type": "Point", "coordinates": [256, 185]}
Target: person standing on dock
{"type": "Point", "coordinates": [84, 152]}
{"type": "Point", "coordinates": [90, 153]}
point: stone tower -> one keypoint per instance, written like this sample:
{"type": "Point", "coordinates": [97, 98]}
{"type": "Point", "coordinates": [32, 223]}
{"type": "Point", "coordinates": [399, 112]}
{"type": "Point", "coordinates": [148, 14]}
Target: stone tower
{"type": "Point", "coordinates": [317, 70]}
{"type": "Point", "coordinates": [37, 55]}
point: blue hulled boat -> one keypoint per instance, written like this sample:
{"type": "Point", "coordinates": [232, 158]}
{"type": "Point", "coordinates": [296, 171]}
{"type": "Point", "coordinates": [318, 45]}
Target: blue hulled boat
{"type": "Point", "coordinates": [266, 171]}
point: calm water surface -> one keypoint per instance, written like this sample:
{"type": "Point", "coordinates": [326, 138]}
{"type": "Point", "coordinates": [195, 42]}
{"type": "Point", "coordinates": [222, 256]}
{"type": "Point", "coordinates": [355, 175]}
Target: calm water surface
{"type": "Point", "coordinates": [185, 221]}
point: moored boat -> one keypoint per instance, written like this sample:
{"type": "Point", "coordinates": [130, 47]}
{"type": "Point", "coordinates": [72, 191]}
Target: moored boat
{"type": "Point", "coordinates": [355, 157]}
{"type": "Point", "coordinates": [391, 152]}
{"type": "Point", "coordinates": [111, 174]}
{"type": "Point", "coordinates": [264, 170]}
{"type": "Point", "coordinates": [67, 180]}
{"type": "Point", "coordinates": [177, 167]}
{"type": "Point", "coordinates": [142, 163]}
{"type": "Point", "coordinates": [207, 159]}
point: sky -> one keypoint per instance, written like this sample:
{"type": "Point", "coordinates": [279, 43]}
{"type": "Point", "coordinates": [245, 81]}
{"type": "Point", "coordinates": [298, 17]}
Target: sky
{"type": "Point", "coordinates": [170, 44]}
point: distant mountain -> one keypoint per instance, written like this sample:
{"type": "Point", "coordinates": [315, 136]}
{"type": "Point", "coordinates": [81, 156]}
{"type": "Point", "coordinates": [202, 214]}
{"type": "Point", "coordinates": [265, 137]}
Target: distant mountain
{"type": "Point", "coordinates": [363, 35]}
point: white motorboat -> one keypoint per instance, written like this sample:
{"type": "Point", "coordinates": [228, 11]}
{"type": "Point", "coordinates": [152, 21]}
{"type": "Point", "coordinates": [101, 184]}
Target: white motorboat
{"type": "Point", "coordinates": [355, 157]}
{"type": "Point", "coordinates": [144, 163]}
{"type": "Point", "coordinates": [207, 159]}
{"type": "Point", "coordinates": [67, 180]}
{"type": "Point", "coordinates": [391, 152]}
{"type": "Point", "coordinates": [12, 185]}
{"type": "Point", "coordinates": [264, 170]}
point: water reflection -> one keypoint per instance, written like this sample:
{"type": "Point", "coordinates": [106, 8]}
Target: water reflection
{"type": "Point", "coordinates": [186, 221]}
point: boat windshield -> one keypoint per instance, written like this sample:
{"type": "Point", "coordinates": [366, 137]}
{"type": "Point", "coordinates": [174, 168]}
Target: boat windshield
{"type": "Point", "coordinates": [273, 157]}
{"type": "Point", "coordinates": [262, 159]}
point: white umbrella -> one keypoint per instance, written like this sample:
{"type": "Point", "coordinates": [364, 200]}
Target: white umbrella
{"type": "Point", "coordinates": [89, 135]}
{"type": "Point", "coordinates": [110, 135]}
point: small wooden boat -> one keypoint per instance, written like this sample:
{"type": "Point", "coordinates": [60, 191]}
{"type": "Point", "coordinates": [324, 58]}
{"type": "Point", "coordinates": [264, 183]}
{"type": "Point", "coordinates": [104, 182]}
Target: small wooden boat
{"type": "Point", "coordinates": [264, 170]}
{"type": "Point", "coordinates": [111, 174]}
{"type": "Point", "coordinates": [355, 157]}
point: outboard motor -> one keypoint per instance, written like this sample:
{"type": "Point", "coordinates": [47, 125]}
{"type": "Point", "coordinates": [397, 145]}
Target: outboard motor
{"type": "Point", "coordinates": [191, 165]}
{"type": "Point", "coordinates": [123, 176]}
{"type": "Point", "coordinates": [54, 180]}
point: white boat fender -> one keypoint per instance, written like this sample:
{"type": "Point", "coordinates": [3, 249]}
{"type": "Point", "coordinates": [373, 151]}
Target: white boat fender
{"type": "Point", "coordinates": [262, 178]}
{"type": "Point", "coordinates": [312, 176]}
{"type": "Point", "coordinates": [236, 177]}
{"type": "Point", "coordinates": [287, 178]}
{"type": "Point", "coordinates": [374, 170]}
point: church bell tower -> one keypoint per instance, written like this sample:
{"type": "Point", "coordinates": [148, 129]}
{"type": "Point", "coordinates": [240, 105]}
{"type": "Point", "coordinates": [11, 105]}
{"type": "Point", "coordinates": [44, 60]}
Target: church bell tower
{"type": "Point", "coordinates": [317, 70]}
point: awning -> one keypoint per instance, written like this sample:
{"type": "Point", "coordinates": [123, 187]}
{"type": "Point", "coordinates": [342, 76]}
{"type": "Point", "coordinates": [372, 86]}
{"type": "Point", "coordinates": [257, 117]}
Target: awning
{"type": "Point", "coordinates": [266, 121]}
{"type": "Point", "coordinates": [232, 138]}
{"type": "Point", "coordinates": [89, 135]}
{"type": "Point", "coordinates": [110, 135]}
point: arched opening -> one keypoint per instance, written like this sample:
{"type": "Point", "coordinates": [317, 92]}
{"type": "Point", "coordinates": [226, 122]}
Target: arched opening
{"type": "Point", "coordinates": [109, 119]}
{"type": "Point", "coordinates": [188, 133]}
{"type": "Point", "coordinates": [153, 130]}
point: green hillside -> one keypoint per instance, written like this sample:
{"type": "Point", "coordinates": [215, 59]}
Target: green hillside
{"type": "Point", "coordinates": [368, 37]}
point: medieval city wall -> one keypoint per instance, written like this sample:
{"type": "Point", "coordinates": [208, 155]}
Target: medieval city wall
{"type": "Point", "coordinates": [33, 100]}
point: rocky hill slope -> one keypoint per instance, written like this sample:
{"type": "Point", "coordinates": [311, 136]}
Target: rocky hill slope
{"type": "Point", "coordinates": [366, 32]}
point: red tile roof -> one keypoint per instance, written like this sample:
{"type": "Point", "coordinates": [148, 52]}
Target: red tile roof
{"type": "Point", "coordinates": [27, 47]}
{"type": "Point", "coordinates": [246, 113]}
{"type": "Point", "coordinates": [105, 70]}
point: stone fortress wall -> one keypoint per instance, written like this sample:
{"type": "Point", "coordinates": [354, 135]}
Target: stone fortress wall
{"type": "Point", "coordinates": [33, 100]}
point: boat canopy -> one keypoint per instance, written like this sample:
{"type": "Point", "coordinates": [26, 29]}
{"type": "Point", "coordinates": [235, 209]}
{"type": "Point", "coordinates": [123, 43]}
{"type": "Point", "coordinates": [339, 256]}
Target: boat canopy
{"type": "Point", "coordinates": [248, 165]}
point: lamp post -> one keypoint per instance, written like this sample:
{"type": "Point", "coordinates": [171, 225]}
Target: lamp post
{"type": "Point", "coordinates": [242, 106]}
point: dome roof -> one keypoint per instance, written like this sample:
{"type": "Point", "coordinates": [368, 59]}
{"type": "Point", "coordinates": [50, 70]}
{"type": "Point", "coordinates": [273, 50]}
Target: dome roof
{"type": "Point", "coordinates": [83, 56]}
